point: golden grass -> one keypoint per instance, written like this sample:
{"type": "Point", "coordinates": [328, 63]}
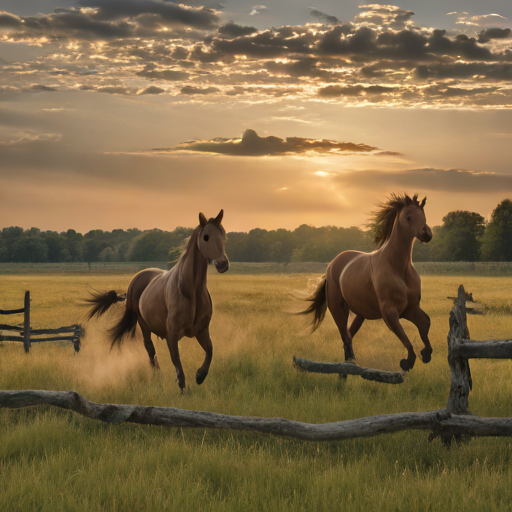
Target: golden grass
{"type": "Point", "coordinates": [55, 460]}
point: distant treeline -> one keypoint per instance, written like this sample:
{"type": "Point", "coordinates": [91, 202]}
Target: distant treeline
{"type": "Point", "coordinates": [463, 236]}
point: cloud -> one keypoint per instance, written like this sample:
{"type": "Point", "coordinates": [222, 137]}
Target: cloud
{"type": "Point", "coordinates": [256, 9]}
{"type": "Point", "coordinates": [151, 90]}
{"type": "Point", "coordinates": [151, 71]}
{"type": "Point", "coordinates": [446, 180]}
{"type": "Point", "coordinates": [333, 91]}
{"type": "Point", "coordinates": [29, 137]}
{"type": "Point", "coordinates": [108, 20]}
{"type": "Point", "coordinates": [251, 144]}
{"type": "Point", "coordinates": [190, 90]}
{"type": "Point", "coordinates": [325, 18]}
{"type": "Point", "coordinates": [493, 33]}
{"type": "Point", "coordinates": [380, 56]}
{"type": "Point", "coordinates": [231, 29]}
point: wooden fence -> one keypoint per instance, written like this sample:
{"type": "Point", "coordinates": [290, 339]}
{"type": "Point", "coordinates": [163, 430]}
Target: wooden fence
{"type": "Point", "coordinates": [25, 334]}
{"type": "Point", "coordinates": [453, 422]}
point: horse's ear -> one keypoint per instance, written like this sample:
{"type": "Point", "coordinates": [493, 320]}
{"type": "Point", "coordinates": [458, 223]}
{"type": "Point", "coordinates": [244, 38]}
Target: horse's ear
{"type": "Point", "coordinates": [202, 220]}
{"type": "Point", "coordinates": [423, 201]}
{"type": "Point", "coordinates": [218, 219]}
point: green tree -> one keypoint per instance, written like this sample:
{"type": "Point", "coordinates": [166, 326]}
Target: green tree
{"type": "Point", "coordinates": [459, 238]}
{"type": "Point", "coordinates": [29, 249]}
{"type": "Point", "coordinates": [497, 239]}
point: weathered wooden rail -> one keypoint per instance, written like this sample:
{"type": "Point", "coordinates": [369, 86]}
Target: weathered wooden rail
{"type": "Point", "coordinates": [25, 334]}
{"type": "Point", "coordinates": [453, 422]}
{"type": "Point", "coordinates": [349, 369]}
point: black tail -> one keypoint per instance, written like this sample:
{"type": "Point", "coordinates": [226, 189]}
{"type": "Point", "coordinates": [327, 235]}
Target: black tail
{"type": "Point", "coordinates": [318, 304]}
{"type": "Point", "coordinates": [125, 325]}
{"type": "Point", "coordinates": [101, 302]}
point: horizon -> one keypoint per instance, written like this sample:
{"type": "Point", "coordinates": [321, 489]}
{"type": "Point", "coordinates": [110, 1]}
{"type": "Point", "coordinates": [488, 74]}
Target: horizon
{"type": "Point", "coordinates": [146, 113]}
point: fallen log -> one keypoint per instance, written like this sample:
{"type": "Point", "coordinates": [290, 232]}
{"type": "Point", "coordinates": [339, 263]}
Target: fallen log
{"type": "Point", "coordinates": [172, 417]}
{"type": "Point", "coordinates": [383, 376]}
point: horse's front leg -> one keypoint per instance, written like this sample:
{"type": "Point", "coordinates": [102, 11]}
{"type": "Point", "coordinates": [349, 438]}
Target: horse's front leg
{"type": "Point", "coordinates": [172, 343]}
{"type": "Point", "coordinates": [205, 341]}
{"type": "Point", "coordinates": [392, 319]}
{"type": "Point", "coordinates": [422, 321]}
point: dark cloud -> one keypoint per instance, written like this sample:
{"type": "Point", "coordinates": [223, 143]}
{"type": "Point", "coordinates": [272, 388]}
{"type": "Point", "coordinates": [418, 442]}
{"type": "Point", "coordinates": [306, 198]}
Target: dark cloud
{"type": "Point", "coordinates": [152, 90]}
{"type": "Point", "coordinates": [232, 29]}
{"type": "Point", "coordinates": [493, 33]}
{"type": "Point", "coordinates": [333, 91]}
{"type": "Point", "coordinates": [324, 18]}
{"type": "Point", "coordinates": [42, 88]}
{"type": "Point", "coordinates": [109, 20]}
{"type": "Point", "coordinates": [151, 71]}
{"type": "Point", "coordinates": [463, 70]}
{"type": "Point", "coordinates": [114, 89]}
{"type": "Point", "coordinates": [446, 180]}
{"type": "Point", "coordinates": [190, 90]}
{"type": "Point", "coordinates": [167, 12]}
{"type": "Point", "coordinates": [251, 144]}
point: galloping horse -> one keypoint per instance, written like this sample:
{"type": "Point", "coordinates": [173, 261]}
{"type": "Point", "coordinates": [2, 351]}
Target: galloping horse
{"type": "Point", "coordinates": [382, 284]}
{"type": "Point", "coordinates": [174, 303]}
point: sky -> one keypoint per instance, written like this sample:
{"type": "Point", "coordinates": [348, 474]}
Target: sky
{"type": "Point", "coordinates": [142, 113]}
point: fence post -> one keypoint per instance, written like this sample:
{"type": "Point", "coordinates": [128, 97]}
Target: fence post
{"type": "Point", "coordinates": [461, 383]}
{"type": "Point", "coordinates": [26, 326]}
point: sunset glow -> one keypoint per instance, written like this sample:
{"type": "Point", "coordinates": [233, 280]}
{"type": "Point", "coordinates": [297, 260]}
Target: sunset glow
{"type": "Point", "coordinates": [142, 113]}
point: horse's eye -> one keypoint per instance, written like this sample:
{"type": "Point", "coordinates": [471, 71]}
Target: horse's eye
{"type": "Point", "coordinates": [409, 218]}
{"type": "Point", "coordinates": [206, 238]}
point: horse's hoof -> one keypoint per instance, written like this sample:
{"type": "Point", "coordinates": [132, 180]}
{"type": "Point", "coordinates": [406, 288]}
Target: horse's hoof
{"type": "Point", "coordinates": [406, 365]}
{"type": "Point", "coordinates": [426, 355]}
{"type": "Point", "coordinates": [200, 378]}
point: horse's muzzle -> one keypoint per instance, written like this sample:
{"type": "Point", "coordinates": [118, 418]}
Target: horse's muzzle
{"type": "Point", "coordinates": [425, 235]}
{"type": "Point", "coordinates": [221, 265]}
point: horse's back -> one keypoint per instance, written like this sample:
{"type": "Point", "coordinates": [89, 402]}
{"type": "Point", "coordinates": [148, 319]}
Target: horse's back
{"type": "Point", "coordinates": [139, 283]}
{"type": "Point", "coordinates": [339, 263]}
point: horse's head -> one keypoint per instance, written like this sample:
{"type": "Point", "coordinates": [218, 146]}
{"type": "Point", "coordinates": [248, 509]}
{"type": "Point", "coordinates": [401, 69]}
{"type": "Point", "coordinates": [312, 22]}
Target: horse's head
{"type": "Point", "coordinates": [211, 241]}
{"type": "Point", "coordinates": [414, 221]}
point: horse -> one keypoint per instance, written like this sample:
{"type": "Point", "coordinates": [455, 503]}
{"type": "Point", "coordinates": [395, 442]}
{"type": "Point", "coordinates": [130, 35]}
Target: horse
{"type": "Point", "coordinates": [381, 284]}
{"type": "Point", "coordinates": [174, 303]}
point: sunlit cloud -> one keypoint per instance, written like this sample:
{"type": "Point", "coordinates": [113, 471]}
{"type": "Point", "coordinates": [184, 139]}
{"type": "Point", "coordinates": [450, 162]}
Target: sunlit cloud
{"type": "Point", "coordinates": [380, 57]}
{"type": "Point", "coordinates": [251, 144]}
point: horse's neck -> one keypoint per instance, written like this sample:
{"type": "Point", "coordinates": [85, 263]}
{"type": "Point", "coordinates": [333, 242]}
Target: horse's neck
{"type": "Point", "coordinates": [194, 267]}
{"type": "Point", "coordinates": [398, 249]}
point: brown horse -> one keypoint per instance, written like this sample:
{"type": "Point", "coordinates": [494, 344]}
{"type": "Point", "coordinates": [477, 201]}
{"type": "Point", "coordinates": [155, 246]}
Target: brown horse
{"type": "Point", "coordinates": [174, 303]}
{"type": "Point", "coordinates": [382, 284]}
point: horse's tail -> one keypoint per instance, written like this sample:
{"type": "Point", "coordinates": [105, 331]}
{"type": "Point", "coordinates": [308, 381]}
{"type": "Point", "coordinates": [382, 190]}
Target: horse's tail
{"type": "Point", "coordinates": [318, 304]}
{"type": "Point", "coordinates": [126, 324]}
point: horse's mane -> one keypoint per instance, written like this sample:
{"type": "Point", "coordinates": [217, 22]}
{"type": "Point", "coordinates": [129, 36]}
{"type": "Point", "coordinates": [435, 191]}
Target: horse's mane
{"type": "Point", "coordinates": [382, 220]}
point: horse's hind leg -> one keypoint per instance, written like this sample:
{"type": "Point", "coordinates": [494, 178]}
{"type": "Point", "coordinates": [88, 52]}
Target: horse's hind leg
{"type": "Point", "coordinates": [148, 344]}
{"type": "Point", "coordinates": [340, 311]}
{"type": "Point", "coordinates": [205, 341]}
{"type": "Point", "coordinates": [355, 325]}
{"type": "Point", "coordinates": [422, 321]}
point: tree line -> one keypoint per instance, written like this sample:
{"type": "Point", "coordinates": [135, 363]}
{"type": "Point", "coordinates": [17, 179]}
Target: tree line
{"type": "Point", "coordinates": [463, 236]}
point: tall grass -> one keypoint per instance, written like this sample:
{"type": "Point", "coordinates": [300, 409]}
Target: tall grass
{"type": "Point", "coordinates": [55, 460]}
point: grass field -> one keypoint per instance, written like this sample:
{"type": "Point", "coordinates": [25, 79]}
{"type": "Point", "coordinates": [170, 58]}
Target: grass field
{"type": "Point", "coordinates": [54, 460]}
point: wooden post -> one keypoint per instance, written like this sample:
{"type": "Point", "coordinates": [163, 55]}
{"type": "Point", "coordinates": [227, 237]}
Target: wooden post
{"type": "Point", "coordinates": [26, 326]}
{"type": "Point", "coordinates": [461, 382]}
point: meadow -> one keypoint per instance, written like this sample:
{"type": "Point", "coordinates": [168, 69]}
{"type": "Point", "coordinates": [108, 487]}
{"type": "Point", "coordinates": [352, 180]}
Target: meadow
{"type": "Point", "coordinates": [55, 460]}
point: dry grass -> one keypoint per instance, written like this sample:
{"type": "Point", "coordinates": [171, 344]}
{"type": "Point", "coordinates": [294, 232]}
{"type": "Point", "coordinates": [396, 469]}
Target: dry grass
{"type": "Point", "coordinates": [55, 460]}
